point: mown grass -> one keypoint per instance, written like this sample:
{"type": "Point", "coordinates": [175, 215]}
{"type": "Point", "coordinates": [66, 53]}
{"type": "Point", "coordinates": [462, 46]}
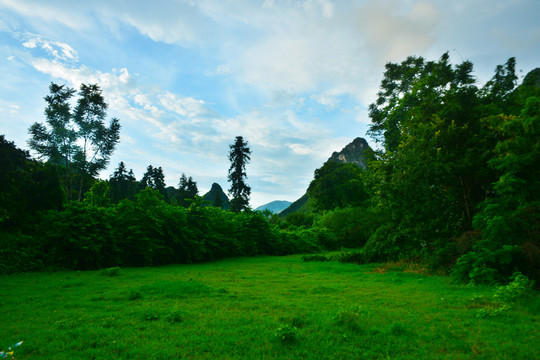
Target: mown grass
{"type": "Point", "coordinates": [260, 308]}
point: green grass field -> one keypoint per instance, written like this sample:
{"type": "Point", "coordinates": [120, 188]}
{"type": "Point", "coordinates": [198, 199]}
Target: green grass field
{"type": "Point", "coordinates": [233, 309]}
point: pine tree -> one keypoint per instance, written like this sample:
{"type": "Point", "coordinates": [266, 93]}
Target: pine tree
{"type": "Point", "coordinates": [187, 190]}
{"type": "Point", "coordinates": [123, 183]}
{"type": "Point", "coordinates": [154, 178]}
{"type": "Point", "coordinates": [147, 180]}
{"type": "Point", "coordinates": [239, 156]}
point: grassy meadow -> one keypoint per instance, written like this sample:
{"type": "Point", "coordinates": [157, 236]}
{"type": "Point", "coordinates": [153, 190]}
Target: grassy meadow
{"type": "Point", "coordinates": [262, 308]}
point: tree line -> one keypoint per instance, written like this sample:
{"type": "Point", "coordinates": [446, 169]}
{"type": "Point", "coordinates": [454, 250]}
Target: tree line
{"type": "Point", "coordinates": [454, 185]}
{"type": "Point", "coordinates": [40, 230]}
{"type": "Point", "coordinates": [55, 212]}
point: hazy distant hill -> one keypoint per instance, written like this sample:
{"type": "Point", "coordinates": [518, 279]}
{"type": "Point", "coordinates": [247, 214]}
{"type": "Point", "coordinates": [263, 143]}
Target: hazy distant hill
{"type": "Point", "coordinates": [299, 205]}
{"type": "Point", "coordinates": [354, 152]}
{"type": "Point", "coordinates": [275, 206]}
{"type": "Point", "coordinates": [217, 197]}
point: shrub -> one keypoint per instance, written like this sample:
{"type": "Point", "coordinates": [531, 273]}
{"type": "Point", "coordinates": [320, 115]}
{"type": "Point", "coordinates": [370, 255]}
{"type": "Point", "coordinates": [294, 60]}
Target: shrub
{"type": "Point", "coordinates": [390, 243]}
{"type": "Point", "coordinates": [286, 333]}
{"type": "Point", "coordinates": [112, 271]}
{"type": "Point", "coordinates": [398, 329]}
{"type": "Point", "coordinates": [326, 239]}
{"type": "Point", "coordinates": [295, 241]}
{"type": "Point", "coordinates": [134, 295]}
{"type": "Point", "coordinates": [147, 231]}
{"type": "Point", "coordinates": [487, 263]}
{"type": "Point", "coordinates": [299, 219]}
{"type": "Point", "coordinates": [80, 237]}
{"type": "Point", "coordinates": [315, 257]}
{"type": "Point", "coordinates": [350, 319]}
{"type": "Point", "coordinates": [351, 226]}
{"type": "Point", "coordinates": [520, 287]}
{"type": "Point", "coordinates": [492, 310]}
{"type": "Point", "coordinates": [504, 297]}
{"type": "Point", "coordinates": [150, 315]}
{"type": "Point", "coordinates": [174, 317]}
{"type": "Point", "coordinates": [354, 257]}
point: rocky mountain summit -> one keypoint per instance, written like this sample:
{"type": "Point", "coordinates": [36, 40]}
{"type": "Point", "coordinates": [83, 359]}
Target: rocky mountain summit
{"type": "Point", "coordinates": [352, 153]}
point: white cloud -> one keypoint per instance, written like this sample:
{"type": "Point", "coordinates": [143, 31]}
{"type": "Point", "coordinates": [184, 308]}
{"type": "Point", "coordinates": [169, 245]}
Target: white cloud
{"type": "Point", "coordinates": [184, 106]}
{"type": "Point", "coordinates": [300, 149]}
{"type": "Point", "coordinates": [326, 99]}
{"type": "Point", "coordinates": [13, 108]}
{"type": "Point", "coordinates": [58, 50]}
{"type": "Point", "coordinates": [31, 44]}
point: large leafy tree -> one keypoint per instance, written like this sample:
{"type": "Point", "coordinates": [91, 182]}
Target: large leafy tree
{"type": "Point", "coordinates": [391, 108]}
{"type": "Point", "coordinates": [239, 156]}
{"type": "Point", "coordinates": [77, 140]}
{"type": "Point", "coordinates": [434, 171]}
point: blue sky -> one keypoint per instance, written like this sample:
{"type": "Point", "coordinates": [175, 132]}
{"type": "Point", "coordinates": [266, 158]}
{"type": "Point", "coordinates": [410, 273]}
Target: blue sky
{"type": "Point", "coordinates": [294, 78]}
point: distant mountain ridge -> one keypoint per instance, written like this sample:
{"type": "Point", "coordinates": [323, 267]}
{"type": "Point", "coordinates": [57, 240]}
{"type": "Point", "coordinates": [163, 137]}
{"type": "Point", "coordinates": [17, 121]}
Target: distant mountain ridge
{"type": "Point", "coordinates": [355, 152]}
{"type": "Point", "coordinates": [275, 206]}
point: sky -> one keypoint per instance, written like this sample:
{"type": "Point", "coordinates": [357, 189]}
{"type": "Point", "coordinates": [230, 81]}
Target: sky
{"type": "Point", "coordinates": [293, 77]}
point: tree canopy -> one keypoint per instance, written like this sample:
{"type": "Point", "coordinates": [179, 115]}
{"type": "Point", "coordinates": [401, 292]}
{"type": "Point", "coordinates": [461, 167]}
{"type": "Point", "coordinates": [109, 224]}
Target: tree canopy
{"type": "Point", "coordinates": [77, 140]}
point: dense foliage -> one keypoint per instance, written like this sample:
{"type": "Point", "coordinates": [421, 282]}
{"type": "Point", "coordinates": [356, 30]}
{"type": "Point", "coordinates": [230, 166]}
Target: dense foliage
{"type": "Point", "coordinates": [455, 186]}
{"type": "Point", "coordinates": [458, 177]}
{"type": "Point", "coordinates": [337, 185]}
{"type": "Point", "coordinates": [145, 231]}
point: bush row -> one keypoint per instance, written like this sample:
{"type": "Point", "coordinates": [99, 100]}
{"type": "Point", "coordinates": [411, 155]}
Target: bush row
{"type": "Point", "coordinates": [147, 231]}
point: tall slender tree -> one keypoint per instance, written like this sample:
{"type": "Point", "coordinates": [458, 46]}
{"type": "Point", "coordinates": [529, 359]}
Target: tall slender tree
{"type": "Point", "coordinates": [239, 156]}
